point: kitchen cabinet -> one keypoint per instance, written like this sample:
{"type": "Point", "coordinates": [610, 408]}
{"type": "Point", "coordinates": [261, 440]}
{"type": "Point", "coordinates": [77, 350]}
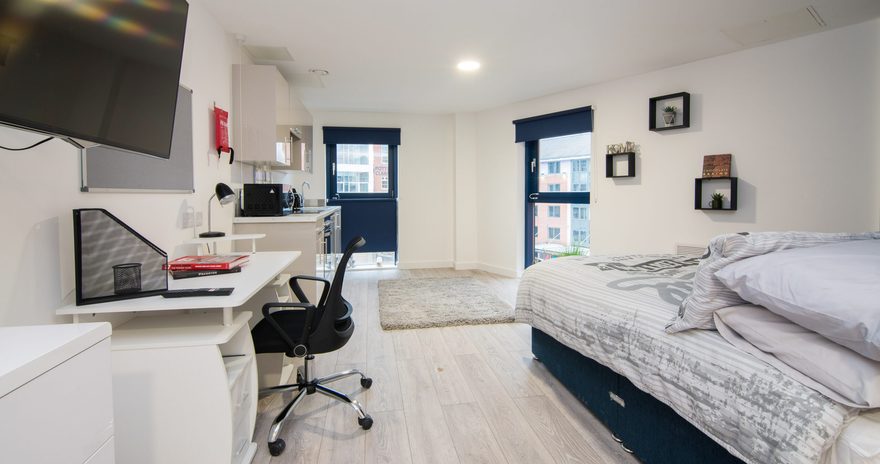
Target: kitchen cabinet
{"type": "Point", "coordinates": [260, 100]}
{"type": "Point", "coordinates": [296, 145]}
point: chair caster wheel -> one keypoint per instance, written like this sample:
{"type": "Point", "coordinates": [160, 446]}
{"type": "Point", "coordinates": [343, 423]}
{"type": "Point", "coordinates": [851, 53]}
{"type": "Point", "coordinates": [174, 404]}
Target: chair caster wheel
{"type": "Point", "coordinates": [366, 382]}
{"type": "Point", "coordinates": [276, 447]}
{"type": "Point", "coordinates": [366, 422]}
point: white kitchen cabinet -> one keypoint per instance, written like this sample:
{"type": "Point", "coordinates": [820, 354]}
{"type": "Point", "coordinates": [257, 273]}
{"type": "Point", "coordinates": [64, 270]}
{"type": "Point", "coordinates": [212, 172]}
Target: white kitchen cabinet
{"type": "Point", "coordinates": [260, 99]}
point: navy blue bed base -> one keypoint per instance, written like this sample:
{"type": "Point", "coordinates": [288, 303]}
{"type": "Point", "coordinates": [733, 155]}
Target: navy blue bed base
{"type": "Point", "coordinates": [651, 429]}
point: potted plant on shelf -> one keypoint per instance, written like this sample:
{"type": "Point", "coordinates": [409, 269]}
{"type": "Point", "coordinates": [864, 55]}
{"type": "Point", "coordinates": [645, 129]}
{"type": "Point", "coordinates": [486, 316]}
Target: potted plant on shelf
{"type": "Point", "coordinates": [669, 115]}
{"type": "Point", "coordinates": [717, 200]}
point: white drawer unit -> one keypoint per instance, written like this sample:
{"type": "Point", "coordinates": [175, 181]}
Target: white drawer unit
{"type": "Point", "coordinates": [184, 389]}
{"type": "Point", "coordinates": [56, 394]}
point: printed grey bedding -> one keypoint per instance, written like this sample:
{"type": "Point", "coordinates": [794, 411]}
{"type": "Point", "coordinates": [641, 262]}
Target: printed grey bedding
{"type": "Point", "coordinates": [614, 309]}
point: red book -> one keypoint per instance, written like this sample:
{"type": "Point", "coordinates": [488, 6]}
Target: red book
{"type": "Point", "coordinates": [206, 262]}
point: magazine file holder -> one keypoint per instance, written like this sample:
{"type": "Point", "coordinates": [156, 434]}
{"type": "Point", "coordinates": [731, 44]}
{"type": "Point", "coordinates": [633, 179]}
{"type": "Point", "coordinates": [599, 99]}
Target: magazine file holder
{"type": "Point", "coordinates": [113, 261]}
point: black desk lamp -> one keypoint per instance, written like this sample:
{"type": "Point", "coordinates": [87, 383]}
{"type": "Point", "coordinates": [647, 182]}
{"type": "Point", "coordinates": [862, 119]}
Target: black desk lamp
{"type": "Point", "coordinates": [224, 195]}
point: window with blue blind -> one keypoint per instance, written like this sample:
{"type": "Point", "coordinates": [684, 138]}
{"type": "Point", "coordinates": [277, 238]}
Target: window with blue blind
{"type": "Point", "coordinates": [558, 169]}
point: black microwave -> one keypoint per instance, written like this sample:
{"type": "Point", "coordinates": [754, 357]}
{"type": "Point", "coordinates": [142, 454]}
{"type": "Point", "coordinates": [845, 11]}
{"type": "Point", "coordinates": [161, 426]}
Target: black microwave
{"type": "Point", "coordinates": [266, 200]}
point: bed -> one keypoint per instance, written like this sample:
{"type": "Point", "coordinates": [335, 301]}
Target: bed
{"type": "Point", "coordinates": [598, 325]}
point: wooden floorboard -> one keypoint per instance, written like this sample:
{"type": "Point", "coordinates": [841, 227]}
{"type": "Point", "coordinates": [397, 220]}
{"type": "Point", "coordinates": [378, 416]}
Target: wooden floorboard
{"type": "Point", "coordinates": [471, 394]}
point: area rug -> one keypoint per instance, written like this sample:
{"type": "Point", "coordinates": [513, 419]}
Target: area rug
{"type": "Point", "coordinates": [439, 302]}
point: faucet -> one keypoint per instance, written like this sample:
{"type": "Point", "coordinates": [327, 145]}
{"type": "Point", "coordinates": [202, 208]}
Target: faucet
{"type": "Point", "coordinates": [302, 192]}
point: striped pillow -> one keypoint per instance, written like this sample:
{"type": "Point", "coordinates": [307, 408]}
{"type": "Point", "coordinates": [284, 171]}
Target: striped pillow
{"type": "Point", "coordinates": [709, 294]}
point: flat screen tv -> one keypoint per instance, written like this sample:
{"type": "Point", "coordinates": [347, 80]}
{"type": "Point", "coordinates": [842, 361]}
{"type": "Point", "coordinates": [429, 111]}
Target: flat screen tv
{"type": "Point", "coordinates": [103, 71]}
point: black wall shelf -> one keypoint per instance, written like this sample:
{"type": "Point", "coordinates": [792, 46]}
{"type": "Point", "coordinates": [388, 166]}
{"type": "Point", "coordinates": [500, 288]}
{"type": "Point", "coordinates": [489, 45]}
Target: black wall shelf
{"type": "Point", "coordinates": [698, 193]}
{"type": "Point", "coordinates": [683, 116]}
{"type": "Point", "coordinates": [630, 164]}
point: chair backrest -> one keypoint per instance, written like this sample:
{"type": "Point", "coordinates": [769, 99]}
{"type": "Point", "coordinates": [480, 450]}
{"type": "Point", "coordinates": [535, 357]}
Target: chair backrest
{"type": "Point", "coordinates": [333, 328]}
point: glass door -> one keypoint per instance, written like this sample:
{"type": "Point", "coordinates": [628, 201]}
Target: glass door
{"type": "Point", "coordinates": [557, 197]}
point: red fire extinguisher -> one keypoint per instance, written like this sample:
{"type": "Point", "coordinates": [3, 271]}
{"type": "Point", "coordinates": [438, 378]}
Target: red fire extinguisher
{"type": "Point", "coordinates": [221, 131]}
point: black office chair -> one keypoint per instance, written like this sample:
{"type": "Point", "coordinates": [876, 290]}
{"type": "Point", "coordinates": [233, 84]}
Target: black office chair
{"type": "Point", "coordinates": [304, 329]}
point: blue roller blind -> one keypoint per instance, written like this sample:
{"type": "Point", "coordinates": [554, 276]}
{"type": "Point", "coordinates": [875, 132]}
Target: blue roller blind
{"type": "Point", "coordinates": [568, 122]}
{"type": "Point", "coordinates": [361, 135]}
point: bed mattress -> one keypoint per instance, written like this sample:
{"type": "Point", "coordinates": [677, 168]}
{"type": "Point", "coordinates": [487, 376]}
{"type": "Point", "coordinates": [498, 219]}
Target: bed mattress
{"type": "Point", "coordinates": [614, 309]}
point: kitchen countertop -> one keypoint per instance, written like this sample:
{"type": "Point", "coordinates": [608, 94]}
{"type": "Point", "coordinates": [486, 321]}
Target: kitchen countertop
{"type": "Point", "coordinates": [310, 214]}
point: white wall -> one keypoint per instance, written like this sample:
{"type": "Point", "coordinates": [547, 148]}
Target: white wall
{"type": "Point", "coordinates": [800, 118]}
{"type": "Point", "coordinates": [426, 211]}
{"type": "Point", "coordinates": [40, 187]}
{"type": "Point", "coordinates": [466, 212]}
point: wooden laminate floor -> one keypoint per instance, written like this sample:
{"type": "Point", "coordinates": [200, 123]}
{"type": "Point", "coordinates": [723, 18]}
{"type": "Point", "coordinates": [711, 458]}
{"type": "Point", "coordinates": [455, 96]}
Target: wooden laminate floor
{"type": "Point", "coordinates": [469, 394]}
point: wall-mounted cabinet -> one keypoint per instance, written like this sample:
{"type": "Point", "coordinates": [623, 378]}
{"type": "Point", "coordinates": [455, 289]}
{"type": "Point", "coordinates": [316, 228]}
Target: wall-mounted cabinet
{"type": "Point", "coordinates": [260, 97]}
{"type": "Point", "coordinates": [295, 147]}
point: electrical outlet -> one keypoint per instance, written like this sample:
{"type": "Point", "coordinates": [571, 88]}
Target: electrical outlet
{"type": "Point", "coordinates": [191, 219]}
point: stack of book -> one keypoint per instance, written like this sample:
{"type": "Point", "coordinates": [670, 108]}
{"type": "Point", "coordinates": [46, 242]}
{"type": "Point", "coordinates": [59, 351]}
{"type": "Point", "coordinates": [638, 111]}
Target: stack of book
{"type": "Point", "coordinates": [207, 265]}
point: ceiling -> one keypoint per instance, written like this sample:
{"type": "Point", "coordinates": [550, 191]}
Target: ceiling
{"type": "Point", "coordinates": [400, 55]}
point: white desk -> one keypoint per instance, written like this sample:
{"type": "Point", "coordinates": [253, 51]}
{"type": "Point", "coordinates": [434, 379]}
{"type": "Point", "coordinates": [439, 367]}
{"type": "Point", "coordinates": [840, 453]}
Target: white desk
{"type": "Point", "coordinates": [184, 385]}
{"type": "Point", "coordinates": [262, 269]}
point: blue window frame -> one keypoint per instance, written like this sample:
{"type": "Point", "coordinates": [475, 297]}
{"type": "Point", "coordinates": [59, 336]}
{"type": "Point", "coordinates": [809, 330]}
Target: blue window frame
{"type": "Point", "coordinates": [531, 131]}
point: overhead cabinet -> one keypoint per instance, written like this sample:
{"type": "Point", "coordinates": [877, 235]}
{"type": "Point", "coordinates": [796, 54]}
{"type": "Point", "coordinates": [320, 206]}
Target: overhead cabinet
{"type": "Point", "coordinates": [260, 99]}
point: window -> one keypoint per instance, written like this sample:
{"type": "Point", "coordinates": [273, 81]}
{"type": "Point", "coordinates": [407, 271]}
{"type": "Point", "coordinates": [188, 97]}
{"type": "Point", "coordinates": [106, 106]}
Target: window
{"type": "Point", "coordinates": [536, 231]}
{"type": "Point", "coordinates": [580, 175]}
{"type": "Point", "coordinates": [553, 211]}
{"type": "Point", "coordinates": [578, 237]}
{"type": "Point", "coordinates": [553, 188]}
{"type": "Point", "coordinates": [360, 169]}
{"type": "Point", "coordinates": [353, 182]}
{"type": "Point", "coordinates": [553, 233]}
{"type": "Point", "coordinates": [579, 212]}
{"type": "Point", "coordinates": [553, 167]}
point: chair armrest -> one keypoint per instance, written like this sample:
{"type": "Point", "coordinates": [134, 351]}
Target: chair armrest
{"type": "Point", "coordinates": [309, 308]}
{"type": "Point", "coordinates": [298, 291]}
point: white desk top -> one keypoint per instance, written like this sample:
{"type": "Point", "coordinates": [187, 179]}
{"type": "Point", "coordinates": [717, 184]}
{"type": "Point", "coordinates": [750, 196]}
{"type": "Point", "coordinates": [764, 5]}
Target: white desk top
{"type": "Point", "coordinates": [262, 269]}
{"type": "Point", "coordinates": [27, 352]}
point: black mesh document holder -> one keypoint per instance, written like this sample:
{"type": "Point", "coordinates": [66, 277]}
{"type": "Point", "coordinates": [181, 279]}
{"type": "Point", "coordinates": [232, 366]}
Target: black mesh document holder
{"type": "Point", "coordinates": [113, 261]}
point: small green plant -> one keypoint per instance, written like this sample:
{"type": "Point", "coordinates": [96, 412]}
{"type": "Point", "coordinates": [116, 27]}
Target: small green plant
{"type": "Point", "coordinates": [670, 109]}
{"type": "Point", "coordinates": [717, 197]}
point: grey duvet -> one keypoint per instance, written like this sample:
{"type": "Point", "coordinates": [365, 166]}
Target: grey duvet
{"type": "Point", "coordinates": [614, 309]}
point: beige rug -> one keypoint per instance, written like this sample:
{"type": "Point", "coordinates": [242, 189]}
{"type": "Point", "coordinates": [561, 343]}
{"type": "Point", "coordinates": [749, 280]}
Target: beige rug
{"type": "Point", "coordinates": [439, 302]}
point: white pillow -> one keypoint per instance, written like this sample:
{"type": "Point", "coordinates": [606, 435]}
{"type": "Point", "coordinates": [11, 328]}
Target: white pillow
{"type": "Point", "coordinates": [833, 290]}
{"type": "Point", "coordinates": [837, 372]}
{"type": "Point", "coordinates": [709, 294]}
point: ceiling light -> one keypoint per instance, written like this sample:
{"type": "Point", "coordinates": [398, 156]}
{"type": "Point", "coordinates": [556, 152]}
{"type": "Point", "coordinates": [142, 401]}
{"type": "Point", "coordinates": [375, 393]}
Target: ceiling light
{"type": "Point", "coordinates": [468, 65]}
{"type": "Point", "coordinates": [319, 72]}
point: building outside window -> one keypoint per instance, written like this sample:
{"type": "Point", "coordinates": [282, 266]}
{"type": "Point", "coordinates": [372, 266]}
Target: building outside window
{"type": "Point", "coordinates": [579, 212]}
{"type": "Point", "coordinates": [553, 167]}
{"type": "Point", "coordinates": [553, 233]}
{"type": "Point", "coordinates": [553, 211]}
{"type": "Point", "coordinates": [553, 188]}
{"type": "Point", "coordinates": [579, 237]}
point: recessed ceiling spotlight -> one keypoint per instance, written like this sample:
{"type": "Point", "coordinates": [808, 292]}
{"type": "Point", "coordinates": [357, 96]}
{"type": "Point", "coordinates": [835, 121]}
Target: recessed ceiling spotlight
{"type": "Point", "coordinates": [319, 72]}
{"type": "Point", "coordinates": [468, 65]}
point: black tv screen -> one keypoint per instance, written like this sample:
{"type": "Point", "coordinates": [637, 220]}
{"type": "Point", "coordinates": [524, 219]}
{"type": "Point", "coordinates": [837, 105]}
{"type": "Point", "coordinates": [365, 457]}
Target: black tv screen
{"type": "Point", "coordinates": [105, 71]}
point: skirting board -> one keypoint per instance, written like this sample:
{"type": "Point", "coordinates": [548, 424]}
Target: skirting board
{"type": "Point", "coordinates": [423, 264]}
{"type": "Point", "coordinates": [459, 266]}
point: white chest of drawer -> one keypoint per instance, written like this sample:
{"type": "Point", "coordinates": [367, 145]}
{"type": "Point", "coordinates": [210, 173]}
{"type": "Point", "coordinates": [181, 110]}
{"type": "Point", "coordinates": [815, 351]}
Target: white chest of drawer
{"type": "Point", "coordinates": [56, 397]}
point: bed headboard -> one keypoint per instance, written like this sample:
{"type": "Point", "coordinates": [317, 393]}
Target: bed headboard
{"type": "Point", "coordinates": [689, 249]}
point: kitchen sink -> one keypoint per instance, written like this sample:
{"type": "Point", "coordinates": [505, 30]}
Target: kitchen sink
{"type": "Point", "coordinates": [312, 210]}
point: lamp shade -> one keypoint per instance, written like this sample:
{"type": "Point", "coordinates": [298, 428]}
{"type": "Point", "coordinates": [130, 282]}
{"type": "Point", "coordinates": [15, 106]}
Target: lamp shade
{"type": "Point", "coordinates": [225, 194]}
